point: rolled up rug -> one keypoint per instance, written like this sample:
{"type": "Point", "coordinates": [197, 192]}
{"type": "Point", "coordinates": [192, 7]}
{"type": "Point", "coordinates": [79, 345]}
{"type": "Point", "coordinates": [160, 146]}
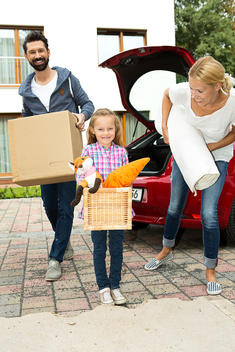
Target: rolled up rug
{"type": "Point", "coordinates": [190, 151]}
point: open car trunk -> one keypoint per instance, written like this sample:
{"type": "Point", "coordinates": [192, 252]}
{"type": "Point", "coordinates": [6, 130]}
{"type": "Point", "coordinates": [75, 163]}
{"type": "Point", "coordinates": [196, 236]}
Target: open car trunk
{"type": "Point", "coordinates": [143, 74]}
{"type": "Point", "coordinates": [152, 146]}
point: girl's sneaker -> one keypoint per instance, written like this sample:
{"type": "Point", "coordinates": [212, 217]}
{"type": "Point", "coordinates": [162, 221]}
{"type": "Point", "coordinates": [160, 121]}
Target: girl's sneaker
{"type": "Point", "coordinates": [105, 296]}
{"type": "Point", "coordinates": [118, 296]}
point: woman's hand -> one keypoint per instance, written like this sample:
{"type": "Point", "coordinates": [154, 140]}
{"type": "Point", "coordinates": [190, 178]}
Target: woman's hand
{"type": "Point", "coordinates": [212, 146]}
{"type": "Point", "coordinates": [229, 139]}
{"type": "Point", "coordinates": [165, 135]}
{"type": "Point", "coordinates": [80, 124]}
{"type": "Point", "coordinates": [166, 108]}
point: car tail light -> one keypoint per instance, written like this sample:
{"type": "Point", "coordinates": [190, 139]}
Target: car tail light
{"type": "Point", "coordinates": [196, 216]}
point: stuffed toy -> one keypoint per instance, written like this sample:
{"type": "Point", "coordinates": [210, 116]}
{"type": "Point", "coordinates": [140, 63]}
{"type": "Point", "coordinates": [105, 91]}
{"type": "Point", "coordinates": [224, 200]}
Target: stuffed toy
{"type": "Point", "coordinates": [124, 176]}
{"type": "Point", "coordinates": [92, 179]}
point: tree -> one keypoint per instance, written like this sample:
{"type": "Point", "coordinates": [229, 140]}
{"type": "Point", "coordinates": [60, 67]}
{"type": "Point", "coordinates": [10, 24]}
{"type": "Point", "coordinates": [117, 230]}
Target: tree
{"type": "Point", "coordinates": [206, 27]}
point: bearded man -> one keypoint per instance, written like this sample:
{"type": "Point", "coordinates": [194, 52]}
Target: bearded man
{"type": "Point", "coordinates": [44, 91]}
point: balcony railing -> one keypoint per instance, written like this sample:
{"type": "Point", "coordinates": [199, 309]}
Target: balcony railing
{"type": "Point", "coordinates": [13, 70]}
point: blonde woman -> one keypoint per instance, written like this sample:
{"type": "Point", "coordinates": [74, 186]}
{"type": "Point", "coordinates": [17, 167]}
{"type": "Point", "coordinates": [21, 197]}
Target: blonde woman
{"type": "Point", "coordinates": [209, 106]}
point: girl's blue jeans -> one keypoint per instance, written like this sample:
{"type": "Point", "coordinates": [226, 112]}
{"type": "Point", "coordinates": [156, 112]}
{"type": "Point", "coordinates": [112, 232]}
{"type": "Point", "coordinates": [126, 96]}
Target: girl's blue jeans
{"type": "Point", "coordinates": [209, 201]}
{"type": "Point", "coordinates": [99, 239]}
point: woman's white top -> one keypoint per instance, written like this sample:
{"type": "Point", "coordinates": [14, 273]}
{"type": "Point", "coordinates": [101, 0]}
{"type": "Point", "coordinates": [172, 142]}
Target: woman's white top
{"type": "Point", "coordinates": [213, 127]}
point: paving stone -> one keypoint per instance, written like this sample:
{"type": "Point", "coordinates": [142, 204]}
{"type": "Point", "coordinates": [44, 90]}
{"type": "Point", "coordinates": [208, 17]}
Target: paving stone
{"type": "Point", "coordinates": [138, 297]}
{"type": "Point", "coordinates": [61, 284]}
{"type": "Point", "coordinates": [12, 280]}
{"type": "Point", "coordinates": [93, 296]}
{"type": "Point", "coordinates": [225, 267]}
{"type": "Point", "coordinates": [135, 265]}
{"type": "Point", "coordinates": [162, 289]}
{"type": "Point", "coordinates": [65, 293]}
{"type": "Point", "coordinates": [37, 310]}
{"type": "Point", "coordinates": [132, 259]}
{"type": "Point", "coordinates": [35, 291]}
{"type": "Point", "coordinates": [174, 295]}
{"type": "Point", "coordinates": [87, 277]}
{"type": "Point", "coordinates": [36, 282]}
{"type": "Point", "coordinates": [195, 291]}
{"type": "Point", "coordinates": [10, 299]}
{"type": "Point", "coordinates": [90, 286]}
{"type": "Point", "coordinates": [12, 266]}
{"type": "Point", "coordinates": [131, 286]}
{"type": "Point", "coordinates": [9, 273]}
{"type": "Point", "coordinates": [185, 281]}
{"type": "Point", "coordinates": [184, 261]}
{"type": "Point", "coordinates": [230, 275]}
{"type": "Point", "coordinates": [72, 304]}
{"type": "Point", "coordinates": [37, 301]}
{"type": "Point", "coordinates": [128, 277]}
{"type": "Point", "coordinates": [153, 279]}
{"type": "Point", "coordinates": [229, 292]}
{"type": "Point", "coordinates": [9, 311]}
{"type": "Point", "coordinates": [86, 270]}
{"type": "Point", "coordinates": [225, 282]}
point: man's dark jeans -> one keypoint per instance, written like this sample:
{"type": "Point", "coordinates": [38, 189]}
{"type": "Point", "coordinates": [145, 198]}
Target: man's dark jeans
{"type": "Point", "coordinates": [56, 201]}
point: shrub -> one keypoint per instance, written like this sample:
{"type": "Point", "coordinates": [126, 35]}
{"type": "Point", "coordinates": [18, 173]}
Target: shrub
{"type": "Point", "coordinates": [20, 192]}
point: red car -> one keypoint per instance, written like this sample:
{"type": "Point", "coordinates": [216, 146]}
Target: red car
{"type": "Point", "coordinates": [151, 190]}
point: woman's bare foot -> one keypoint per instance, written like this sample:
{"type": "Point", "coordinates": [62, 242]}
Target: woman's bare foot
{"type": "Point", "coordinates": [164, 253]}
{"type": "Point", "coordinates": [211, 275]}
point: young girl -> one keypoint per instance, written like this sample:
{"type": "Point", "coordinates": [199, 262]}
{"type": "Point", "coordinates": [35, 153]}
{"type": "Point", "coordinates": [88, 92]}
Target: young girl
{"type": "Point", "coordinates": [104, 146]}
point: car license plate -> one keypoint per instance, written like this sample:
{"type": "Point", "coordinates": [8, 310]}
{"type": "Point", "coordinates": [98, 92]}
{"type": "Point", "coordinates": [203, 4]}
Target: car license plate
{"type": "Point", "coordinates": [137, 194]}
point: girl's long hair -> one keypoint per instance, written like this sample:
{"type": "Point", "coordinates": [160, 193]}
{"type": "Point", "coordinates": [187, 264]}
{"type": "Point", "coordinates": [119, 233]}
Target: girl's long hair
{"type": "Point", "coordinates": [91, 138]}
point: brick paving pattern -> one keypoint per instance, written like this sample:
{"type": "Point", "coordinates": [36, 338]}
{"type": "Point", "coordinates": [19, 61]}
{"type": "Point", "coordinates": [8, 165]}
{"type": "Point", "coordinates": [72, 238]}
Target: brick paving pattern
{"type": "Point", "coordinates": [25, 240]}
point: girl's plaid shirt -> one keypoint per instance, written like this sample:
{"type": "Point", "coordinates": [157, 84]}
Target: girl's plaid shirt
{"type": "Point", "coordinates": [105, 161]}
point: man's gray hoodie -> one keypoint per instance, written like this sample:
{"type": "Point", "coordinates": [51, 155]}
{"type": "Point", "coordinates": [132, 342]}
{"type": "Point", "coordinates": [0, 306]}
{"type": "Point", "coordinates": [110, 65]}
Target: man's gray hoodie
{"type": "Point", "coordinates": [61, 98]}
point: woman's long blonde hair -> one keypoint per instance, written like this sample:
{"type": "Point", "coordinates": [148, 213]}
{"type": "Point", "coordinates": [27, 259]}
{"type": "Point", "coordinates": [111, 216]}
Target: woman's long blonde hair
{"type": "Point", "coordinates": [91, 138]}
{"type": "Point", "coordinates": [210, 71]}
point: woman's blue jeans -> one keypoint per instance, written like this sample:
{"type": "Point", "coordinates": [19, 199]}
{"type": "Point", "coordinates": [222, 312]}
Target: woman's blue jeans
{"type": "Point", "coordinates": [209, 201]}
{"type": "Point", "coordinates": [56, 201]}
{"type": "Point", "coordinates": [99, 239]}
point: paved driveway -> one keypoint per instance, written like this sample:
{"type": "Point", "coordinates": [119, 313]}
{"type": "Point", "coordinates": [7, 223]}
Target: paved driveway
{"type": "Point", "coordinates": [25, 239]}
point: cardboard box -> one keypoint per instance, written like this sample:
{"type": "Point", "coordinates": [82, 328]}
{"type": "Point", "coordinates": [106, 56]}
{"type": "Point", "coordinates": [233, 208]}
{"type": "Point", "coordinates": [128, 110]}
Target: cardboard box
{"type": "Point", "coordinates": [41, 147]}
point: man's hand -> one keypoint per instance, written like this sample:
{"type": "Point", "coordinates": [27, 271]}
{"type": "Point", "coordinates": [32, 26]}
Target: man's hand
{"type": "Point", "coordinates": [80, 124]}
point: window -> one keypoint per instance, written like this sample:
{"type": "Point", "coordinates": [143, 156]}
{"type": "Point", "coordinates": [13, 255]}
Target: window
{"type": "Point", "coordinates": [132, 128]}
{"type": "Point", "coordinates": [5, 162]}
{"type": "Point", "coordinates": [13, 66]}
{"type": "Point", "coordinates": [113, 41]}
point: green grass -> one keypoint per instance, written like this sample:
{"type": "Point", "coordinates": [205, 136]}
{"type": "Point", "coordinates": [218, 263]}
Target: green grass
{"type": "Point", "coordinates": [20, 192]}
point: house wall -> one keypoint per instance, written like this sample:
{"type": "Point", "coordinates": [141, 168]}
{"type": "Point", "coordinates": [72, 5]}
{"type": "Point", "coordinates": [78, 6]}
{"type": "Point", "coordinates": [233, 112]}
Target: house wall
{"type": "Point", "coordinates": [71, 29]}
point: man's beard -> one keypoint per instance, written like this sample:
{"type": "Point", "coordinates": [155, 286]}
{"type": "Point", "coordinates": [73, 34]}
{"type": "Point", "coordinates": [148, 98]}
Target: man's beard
{"type": "Point", "coordinates": [42, 66]}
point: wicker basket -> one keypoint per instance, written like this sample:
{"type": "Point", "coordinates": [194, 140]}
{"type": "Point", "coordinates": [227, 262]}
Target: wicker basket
{"type": "Point", "coordinates": [108, 209]}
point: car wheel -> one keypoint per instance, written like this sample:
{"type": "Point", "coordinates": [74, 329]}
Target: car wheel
{"type": "Point", "coordinates": [139, 225]}
{"type": "Point", "coordinates": [131, 235]}
{"type": "Point", "coordinates": [228, 234]}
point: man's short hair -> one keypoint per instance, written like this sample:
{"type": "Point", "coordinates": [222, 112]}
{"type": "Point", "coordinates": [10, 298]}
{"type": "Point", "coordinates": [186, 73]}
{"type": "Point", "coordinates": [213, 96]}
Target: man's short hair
{"type": "Point", "coordinates": [33, 37]}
